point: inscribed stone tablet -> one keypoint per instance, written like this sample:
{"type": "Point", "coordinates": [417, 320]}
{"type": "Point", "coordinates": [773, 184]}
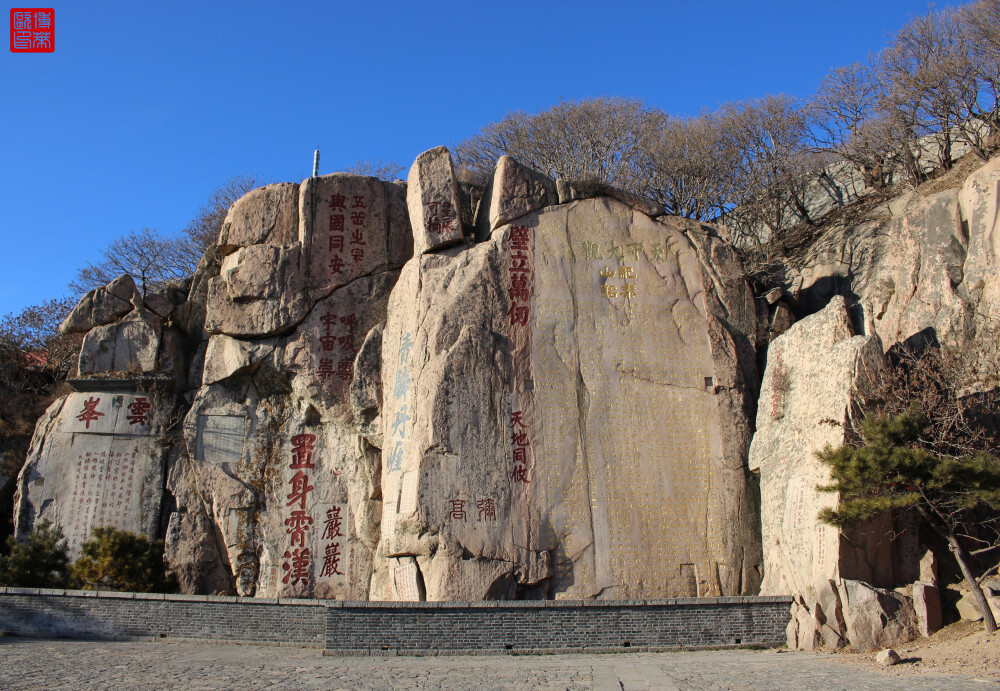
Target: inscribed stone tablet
{"type": "Point", "coordinates": [220, 438]}
{"type": "Point", "coordinates": [408, 493]}
{"type": "Point", "coordinates": [405, 577]}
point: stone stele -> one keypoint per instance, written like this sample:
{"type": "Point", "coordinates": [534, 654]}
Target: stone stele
{"type": "Point", "coordinates": [95, 460]}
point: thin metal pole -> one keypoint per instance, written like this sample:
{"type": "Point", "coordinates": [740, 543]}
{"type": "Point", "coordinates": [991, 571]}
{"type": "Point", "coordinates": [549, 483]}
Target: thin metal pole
{"type": "Point", "coordinates": [315, 163]}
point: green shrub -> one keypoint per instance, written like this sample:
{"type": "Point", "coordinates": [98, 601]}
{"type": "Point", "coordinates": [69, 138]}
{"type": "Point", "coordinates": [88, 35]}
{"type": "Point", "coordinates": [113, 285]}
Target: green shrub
{"type": "Point", "coordinates": [119, 560]}
{"type": "Point", "coordinates": [41, 561]}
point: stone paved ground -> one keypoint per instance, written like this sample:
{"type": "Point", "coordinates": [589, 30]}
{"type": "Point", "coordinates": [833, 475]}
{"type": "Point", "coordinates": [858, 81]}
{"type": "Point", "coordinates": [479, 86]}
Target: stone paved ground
{"type": "Point", "coordinates": [48, 664]}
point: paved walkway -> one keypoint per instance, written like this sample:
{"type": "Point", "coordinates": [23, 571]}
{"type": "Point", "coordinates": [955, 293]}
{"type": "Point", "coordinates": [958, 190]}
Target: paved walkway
{"type": "Point", "coordinates": [47, 664]}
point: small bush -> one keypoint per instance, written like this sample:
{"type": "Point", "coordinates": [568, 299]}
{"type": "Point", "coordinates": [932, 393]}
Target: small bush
{"type": "Point", "coordinates": [41, 561]}
{"type": "Point", "coordinates": [119, 560]}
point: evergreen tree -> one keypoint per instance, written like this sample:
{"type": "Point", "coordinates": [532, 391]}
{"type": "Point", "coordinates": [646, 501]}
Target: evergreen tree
{"type": "Point", "coordinates": [891, 472]}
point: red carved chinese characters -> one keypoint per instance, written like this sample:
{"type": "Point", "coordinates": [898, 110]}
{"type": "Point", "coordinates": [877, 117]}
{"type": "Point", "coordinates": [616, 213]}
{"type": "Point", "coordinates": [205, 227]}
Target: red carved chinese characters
{"type": "Point", "coordinates": [332, 550]}
{"type": "Point", "coordinates": [139, 411]}
{"type": "Point", "coordinates": [440, 217]}
{"type": "Point", "coordinates": [296, 566]}
{"type": "Point", "coordinates": [344, 342]}
{"type": "Point", "coordinates": [90, 413]}
{"type": "Point", "coordinates": [302, 451]}
{"type": "Point", "coordinates": [520, 274]}
{"type": "Point", "coordinates": [457, 512]}
{"type": "Point", "coordinates": [299, 523]}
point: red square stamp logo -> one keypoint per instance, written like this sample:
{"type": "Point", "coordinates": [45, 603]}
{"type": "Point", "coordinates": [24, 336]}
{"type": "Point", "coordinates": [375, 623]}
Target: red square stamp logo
{"type": "Point", "coordinates": [32, 30]}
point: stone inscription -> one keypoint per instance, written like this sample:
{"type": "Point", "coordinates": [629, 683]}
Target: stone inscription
{"type": "Point", "coordinates": [619, 471]}
{"type": "Point", "coordinates": [221, 438]}
{"type": "Point", "coordinates": [105, 491]}
{"type": "Point", "coordinates": [297, 559]}
{"type": "Point", "coordinates": [520, 289]}
{"type": "Point", "coordinates": [405, 578]}
{"type": "Point", "coordinates": [401, 392]}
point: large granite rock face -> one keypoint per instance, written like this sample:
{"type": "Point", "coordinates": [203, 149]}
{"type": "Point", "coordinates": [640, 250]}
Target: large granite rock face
{"type": "Point", "coordinates": [565, 415]}
{"type": "Point", "coordinates": [373, 406]}
{"type": "Point", "coordinates": [346, 227]}
{"type": "Point", "coordinates": [979, 200]}
{"type": "Point", "coordinates": [276, 462]}
{"type": "Point", "coordinates": [267, 215]}
{"type": "Point", "coordinates": [819, 375]}
{"type": "Point", "coordinates": [97, 459]}
{"type": "Point", "coordinates": [926, 264]}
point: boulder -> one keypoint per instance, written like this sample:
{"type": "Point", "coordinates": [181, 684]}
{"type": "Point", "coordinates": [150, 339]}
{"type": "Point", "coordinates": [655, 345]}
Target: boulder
{"type": "Point", "coordinates": [888, 657]}
{"type": "Point", "coordinates": [876, 618]}
{"type": "Point", "coordinates": [514, 191]}
{"type": "Point", "coordinates": [130, 346]}
{"type": "Point", "coordinates": [265, 216]}
{"type": "Point", "coordinates": [573, 190]}
{"type": "Point", "coordinates": [968, 608]}
{"type": "Point", "coordinates": [433, 201]}
{"type": "Point", "coordinates": [927, 605]}
{"type": "Point", "coordinates": [226, 356]}
{"type": "Point", "coordinates": [781, 320]}
{"type": "Point", "coordinates": [102, 306]}
{"type": "Point", "coordinates": [350, 226]}
{"type": "Point", "coordinates": [929, 568]}
{"type": "Point", "coordinates": [260, 291]}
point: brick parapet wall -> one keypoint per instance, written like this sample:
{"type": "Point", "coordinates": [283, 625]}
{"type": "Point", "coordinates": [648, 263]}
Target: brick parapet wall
{"type": "Point", "coordinates": [400, 627]}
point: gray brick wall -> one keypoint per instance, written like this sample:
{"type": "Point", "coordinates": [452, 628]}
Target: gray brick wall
{"type": "Point", "coordinates": [408, 627]}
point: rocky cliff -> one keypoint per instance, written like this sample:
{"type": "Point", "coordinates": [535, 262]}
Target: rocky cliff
{"type": "Point", "coordinates": [421, 390]}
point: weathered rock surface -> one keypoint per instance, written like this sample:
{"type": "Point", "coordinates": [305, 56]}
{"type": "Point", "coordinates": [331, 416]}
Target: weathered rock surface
{"type": "Point", "coordinates": [378, 410]}
{"type": "Point", "coordinates": [513, 192]}
{"type": "Point", "coordinates": [260, 291]}
{"type": "Point", "coordinates": [927, 265]}
{"type": "Point", "coordinates": [102, 306]}
{"type": "Point", "coordinates": [433, 201]}
{"type": "Point", "coordinates": [888, 657]}
{"type": "Point", "coordinates": [97, 459]}
{"type": "Point", "coordinates": [574, 190]}
{"type": "Point", "coordinates": [526, 383]}
{"type": "Point", "coordinates": [817, 373]}
{"type": "Point", "coordinates": [267, 215]}
{"type": "Point", "coordinates": [129, 346]}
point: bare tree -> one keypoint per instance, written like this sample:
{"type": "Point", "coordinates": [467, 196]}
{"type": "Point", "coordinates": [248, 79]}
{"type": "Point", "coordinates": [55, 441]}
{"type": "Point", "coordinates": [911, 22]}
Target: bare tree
{"type": "Point", "coordinates": [773, 165]}
{"type": "Point", "coordinates": [847, 119]}
{"type": "Point", "coordinates": [686, 167]}
{"type": "Point", "coordinates": [152, 260]}
{"type": "Point", "coordinates": [381, 169]}
{"type": "Point", "coordinates": [933, 85]}
{"type": "Point", "coordinates": [203, 230]}
{"type": "Point", "coordinates": [597, 139]}
{"type": "Point", "coordinates": [32, 350]}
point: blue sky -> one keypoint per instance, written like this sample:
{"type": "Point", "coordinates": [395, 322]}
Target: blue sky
{"type": "Point", "coordinates": [144, 108]}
